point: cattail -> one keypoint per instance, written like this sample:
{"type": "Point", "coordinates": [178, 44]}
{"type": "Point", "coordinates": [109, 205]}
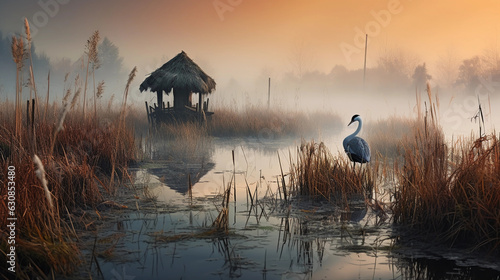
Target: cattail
{"type": "Point", "coordinates": [40, 174]}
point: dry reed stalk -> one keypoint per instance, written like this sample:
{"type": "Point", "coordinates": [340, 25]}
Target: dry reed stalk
{"type": "Point", "coordinates": [77, 90]}
{"type": "Point", "coordinates": [121, 124]}
{"type": "Point", "coordinates": [92, 59]}
{"type": "Point", "coordinates": [283, 184]}
{"type": "Point", "coordinates": [60, 123]}
{"type": "Point", "coordinates": [40, 174]}
{"type": "Point", "coordinates": [18, 55]}
{"type": "Point", "coordinates": [32, 76]}
{"type": "Point", "coordinates": [47, 97]}
{"type": "Point", "coordinates": [221, 223]}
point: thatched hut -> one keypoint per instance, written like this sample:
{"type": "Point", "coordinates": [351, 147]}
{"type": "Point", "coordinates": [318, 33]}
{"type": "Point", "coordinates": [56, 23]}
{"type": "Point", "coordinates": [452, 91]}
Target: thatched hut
{"type": "Point", "coordinates": [183, 77]}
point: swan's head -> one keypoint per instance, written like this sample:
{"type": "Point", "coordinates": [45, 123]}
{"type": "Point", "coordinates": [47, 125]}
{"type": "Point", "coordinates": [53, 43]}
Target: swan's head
{"type": "Point", "coordinates": [355, 118]}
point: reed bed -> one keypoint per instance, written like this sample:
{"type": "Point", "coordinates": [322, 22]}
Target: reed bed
{"type": "Point", "coordinates": [319, 174]}
{"type": "Point", "coordinates": [386, 135]}
{"type": "Point", "coordinates": [192, 140]}
{"type": "Point", "coordinates": [449, 191]}
{"type": "Point", "coordinates": [269, 124]}
{"type": "Point", "coordinates": [76, 173]}
{"type": "Point", "coordinates": [60, 160]}
{"type": "Point", "coordinates": [475, 185]}
{"type": "Point", "coordinates": [454, 195]}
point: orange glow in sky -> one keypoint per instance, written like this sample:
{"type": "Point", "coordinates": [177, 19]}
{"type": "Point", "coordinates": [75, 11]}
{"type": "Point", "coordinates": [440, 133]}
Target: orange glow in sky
{"type": "Point", "coordinates": [242, 37]}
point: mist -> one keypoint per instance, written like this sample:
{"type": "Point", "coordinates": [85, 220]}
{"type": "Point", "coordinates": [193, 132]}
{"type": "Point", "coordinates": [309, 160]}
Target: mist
{"type": "Point", "coordinates": [312, 53]}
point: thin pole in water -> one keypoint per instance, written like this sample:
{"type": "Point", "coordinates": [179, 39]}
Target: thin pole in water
{"type": "Point", "coordinates": [364, 69]}
{"type": "Point", "coordinates": [269, 93]}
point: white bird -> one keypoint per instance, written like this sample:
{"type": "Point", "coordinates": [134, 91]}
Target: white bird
{"type": "Point", "coordinates": [355, 147]}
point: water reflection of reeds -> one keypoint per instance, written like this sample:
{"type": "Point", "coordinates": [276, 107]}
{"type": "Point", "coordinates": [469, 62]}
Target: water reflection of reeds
{"type": "Point", "coordinates": [309, 233]}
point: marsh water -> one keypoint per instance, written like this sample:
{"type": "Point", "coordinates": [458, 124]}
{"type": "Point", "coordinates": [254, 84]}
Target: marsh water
{"type": "Point", "coordinates": [268, 238]}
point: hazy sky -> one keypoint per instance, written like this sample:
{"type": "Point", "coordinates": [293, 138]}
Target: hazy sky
{"type": "Point", "coordinates": [242, 37]}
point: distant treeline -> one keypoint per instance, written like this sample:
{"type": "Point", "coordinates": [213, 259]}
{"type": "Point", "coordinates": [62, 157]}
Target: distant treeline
{"type": "Point", "coordinates": [397, 73]}
{"type": "Point", "coordinates": [63, 72]}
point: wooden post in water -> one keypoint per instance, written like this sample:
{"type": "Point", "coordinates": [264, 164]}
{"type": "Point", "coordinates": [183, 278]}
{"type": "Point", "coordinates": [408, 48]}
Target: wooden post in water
{"type": "Point", "coordinates": [159, 95]}
{"type": "Point", "coordinates": [234, 178]}
{"type": "Point", "coordinates": [269, 93]}
{"type": "Point", "coordinates": [200, 102]}
{"type": "Point", "coordinates": [33, 107]}
{"type": "Point", "coordinates": [147, 112]}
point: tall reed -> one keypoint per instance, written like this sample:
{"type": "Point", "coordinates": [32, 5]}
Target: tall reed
{"type": "Point", "coordinates": [449, 191]}
{"type": "Point", "coordinates": [121, 124]}
{"type": "Point", "coordinates": [18, 55]}
{"type": "Point", "coordinates": [93, 61]}
{"type": "Point", "coordinates": [32, 83]}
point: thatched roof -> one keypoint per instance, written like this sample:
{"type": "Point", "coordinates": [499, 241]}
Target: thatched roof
{"type": "Point", "coordinates": [179, 72]}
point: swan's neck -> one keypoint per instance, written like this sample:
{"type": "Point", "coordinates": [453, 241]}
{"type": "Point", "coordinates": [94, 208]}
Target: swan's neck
{"type": "Point", "coordinates": [348, 138]}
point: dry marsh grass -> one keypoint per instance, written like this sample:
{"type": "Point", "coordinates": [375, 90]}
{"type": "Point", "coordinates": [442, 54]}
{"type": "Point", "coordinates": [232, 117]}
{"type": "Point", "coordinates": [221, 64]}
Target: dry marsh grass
{"type": "Point", "coordinates": [77, 175]}
{"type": "Point", "coordinates": [63, 160]}
{"type": "Point", "coordinates": [193, 140]}
{"type": "Point", "coordinates": [386, 135]}
{"type": "Point", "coordinates": [269, 124]}
{"type": "Point", "coordinates": [319, 174]}
{"type": "Point", "coordinates": [449, 191]}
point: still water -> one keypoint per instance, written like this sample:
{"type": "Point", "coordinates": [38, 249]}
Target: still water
{"type": "Point", "coordinates": [271, 239]}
